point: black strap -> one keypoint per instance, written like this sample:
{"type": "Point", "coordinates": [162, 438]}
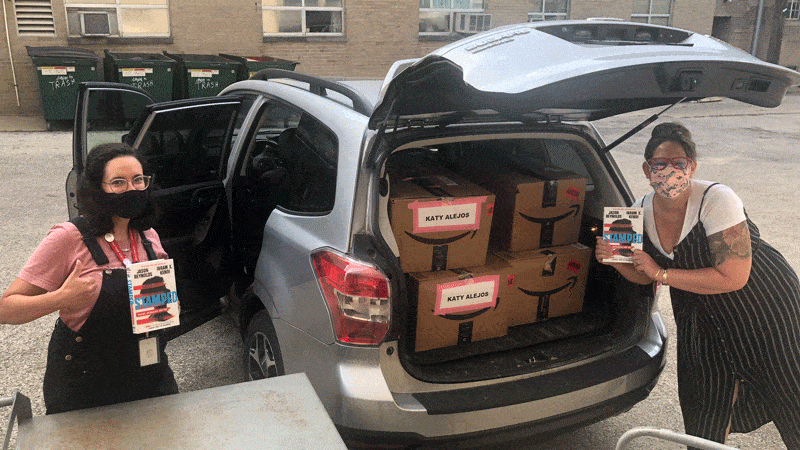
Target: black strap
{"type": "Point", "coordinates": [90, 240]}
{"type": "Point", "coordinates": [700, 209]}
{"type": "Point", "coordinates": [148, 247]}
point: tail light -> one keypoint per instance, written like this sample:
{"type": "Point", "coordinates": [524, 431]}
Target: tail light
{"type": "Point", "coordinates": [357, 296]}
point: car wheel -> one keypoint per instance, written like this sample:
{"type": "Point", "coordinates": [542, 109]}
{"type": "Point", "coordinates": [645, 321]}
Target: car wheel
{"type": "Point", "coordinates": [262, 354]}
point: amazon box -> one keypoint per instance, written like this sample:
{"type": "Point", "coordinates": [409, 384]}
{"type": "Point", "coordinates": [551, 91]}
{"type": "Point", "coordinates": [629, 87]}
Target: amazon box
{"type": "Point", "coordinates": [548, 282]}
{"type": "Point", "coordinates": [439, 219]}
{"type": "Point", "coordinates": [535, 210]}
{"type": "Point", "coordinates": [460, 306]}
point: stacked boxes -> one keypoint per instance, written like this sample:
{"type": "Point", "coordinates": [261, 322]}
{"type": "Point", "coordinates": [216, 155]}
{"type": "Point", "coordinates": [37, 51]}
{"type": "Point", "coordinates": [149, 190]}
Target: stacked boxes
{"type": "Point", "coordinates": [442, 224]}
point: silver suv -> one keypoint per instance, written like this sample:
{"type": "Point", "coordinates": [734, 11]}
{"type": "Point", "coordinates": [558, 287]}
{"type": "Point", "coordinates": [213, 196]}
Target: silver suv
{"type": "Point", "coordinates": [274, 196]}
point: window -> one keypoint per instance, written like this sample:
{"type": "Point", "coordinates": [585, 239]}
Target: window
{"type": "Point", "coordinates": [436, 17]}
{"type": "Point", "coordinates": [118, 18]}
{"type": "Point", "coordinates": [302, 17]}
{"type": "Point", "coordinates": [548, 10]}
{"type": "Point", "coordinates": [186, 146]}
{"type": "Point", "coordinates": [294, 157]}
{"type": "Point", "coordinates": [34, 17]}
{"type": "Point", "coordinates": [652, 11]}
{"type": "Point", "coordinates": [793, 10]}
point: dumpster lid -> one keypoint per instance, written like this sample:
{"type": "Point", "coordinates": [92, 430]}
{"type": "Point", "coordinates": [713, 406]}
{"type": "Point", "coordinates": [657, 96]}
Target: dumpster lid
{"type": "Point", "coordinates": [61, 52]}
{"type": "Point", "coordinates": [257, 58]}
{"type": "Point", "coordinates": [139, 56]}
{"type": "Point", "coordinates": [199, 58]}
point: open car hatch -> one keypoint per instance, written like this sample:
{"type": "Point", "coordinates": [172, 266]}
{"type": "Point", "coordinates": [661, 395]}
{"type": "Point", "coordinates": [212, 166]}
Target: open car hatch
{"type": "Point", "coordinates": [573, 71]}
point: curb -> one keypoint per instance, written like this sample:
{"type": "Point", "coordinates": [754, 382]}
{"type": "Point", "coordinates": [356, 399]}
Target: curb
{"type": "Point", "coordinates": [22, 123]}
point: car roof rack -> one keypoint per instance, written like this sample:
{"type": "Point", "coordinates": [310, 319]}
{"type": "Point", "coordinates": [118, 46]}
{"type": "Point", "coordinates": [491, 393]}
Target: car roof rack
{"type": "Point", "coordinates": [319, 86]}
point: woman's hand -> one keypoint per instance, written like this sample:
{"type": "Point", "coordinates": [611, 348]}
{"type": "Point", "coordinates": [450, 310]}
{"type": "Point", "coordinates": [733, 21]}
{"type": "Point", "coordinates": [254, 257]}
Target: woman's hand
{"type": "Point", "coordinates": [76, 291]}
{"type": "Point", "coordinates": [24, 302]}
{"type": "Point", "coordinates": [602, 250]}
{"type": "Point", "coordinates": [645, 264]}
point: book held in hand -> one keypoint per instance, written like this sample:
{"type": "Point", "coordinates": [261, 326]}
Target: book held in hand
{"type": "Point", "coordinates": [152, 294]}
{"type": "Point", "coordinates": [623, 228]}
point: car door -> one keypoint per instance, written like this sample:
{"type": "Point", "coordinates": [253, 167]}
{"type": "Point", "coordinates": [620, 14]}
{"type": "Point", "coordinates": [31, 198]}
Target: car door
{"type": "Point", "coordinates": [184, 145]}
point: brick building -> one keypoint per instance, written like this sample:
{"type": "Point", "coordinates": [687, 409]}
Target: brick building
{"type": "Point", "coordinates": [345, 38]}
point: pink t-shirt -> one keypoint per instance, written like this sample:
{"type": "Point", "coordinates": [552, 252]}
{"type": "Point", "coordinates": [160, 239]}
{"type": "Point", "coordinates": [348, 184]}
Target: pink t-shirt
{"type": "Point", "coordinates": [54, 259]}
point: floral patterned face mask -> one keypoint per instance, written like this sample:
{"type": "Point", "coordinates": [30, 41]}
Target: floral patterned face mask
{"type": "Point", "coordinates": [670, 182]}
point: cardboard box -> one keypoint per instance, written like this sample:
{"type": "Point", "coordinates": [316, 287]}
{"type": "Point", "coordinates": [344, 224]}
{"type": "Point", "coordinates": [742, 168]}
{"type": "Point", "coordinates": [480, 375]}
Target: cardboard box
{"type": "Point", "coordinates": [456, 307]}
{"type": "Point", "coordinates": [535, 210]}
{"type": "Point", "coordinates": [547, 282]}
{"type": "Point", "coordinates": [439, 219]}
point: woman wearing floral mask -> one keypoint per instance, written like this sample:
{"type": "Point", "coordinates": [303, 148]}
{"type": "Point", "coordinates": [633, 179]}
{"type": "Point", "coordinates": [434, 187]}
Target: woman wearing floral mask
{"type": "Point", "coordinates": [735, 298]}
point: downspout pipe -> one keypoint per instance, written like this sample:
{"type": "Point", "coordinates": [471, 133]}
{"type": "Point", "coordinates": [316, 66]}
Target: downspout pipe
{"type": "Point", "coordinates": [10, 55]}
{"type": "Point", "coordinates": [754, 47]}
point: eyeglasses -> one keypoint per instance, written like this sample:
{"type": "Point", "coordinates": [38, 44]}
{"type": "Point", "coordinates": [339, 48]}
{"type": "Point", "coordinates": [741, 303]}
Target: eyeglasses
{"type": "Point", "coordinates": [120, 185]}
{"type": "Point", "coordinates": [659, 164]}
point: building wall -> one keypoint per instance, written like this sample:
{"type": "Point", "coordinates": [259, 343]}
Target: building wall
{"type": "Point", "coordinates": [377, 33]}
{"type": "Point", "coordinates": [584, 9]}
{"type": "Point", "coordinates": [790, 49]}
{"type": "Point", "coordinates": [693, 15]}
{"type": "Point", "coordinates": [743, 15]}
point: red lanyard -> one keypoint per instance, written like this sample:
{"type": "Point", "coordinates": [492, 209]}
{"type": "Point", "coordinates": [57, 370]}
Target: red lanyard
{"type": "Point", "coordinates": [118, 251]}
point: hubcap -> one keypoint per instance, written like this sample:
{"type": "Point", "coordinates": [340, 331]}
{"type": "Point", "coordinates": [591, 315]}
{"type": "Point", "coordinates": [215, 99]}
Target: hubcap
{"type": "Point", "coordinates": [261, 362]}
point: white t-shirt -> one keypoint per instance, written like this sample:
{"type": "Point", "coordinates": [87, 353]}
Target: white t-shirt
{"type": "Point", "coordinates": [722, 209]}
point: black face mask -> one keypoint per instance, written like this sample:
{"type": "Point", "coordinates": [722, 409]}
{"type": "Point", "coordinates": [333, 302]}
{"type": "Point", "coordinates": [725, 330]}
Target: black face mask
{"type": "Point", "coordinates": [128, 205]}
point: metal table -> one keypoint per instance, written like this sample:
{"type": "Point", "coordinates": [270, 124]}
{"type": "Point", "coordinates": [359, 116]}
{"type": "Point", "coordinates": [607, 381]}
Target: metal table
{"type": "Point", "coordinates": [276, 413]}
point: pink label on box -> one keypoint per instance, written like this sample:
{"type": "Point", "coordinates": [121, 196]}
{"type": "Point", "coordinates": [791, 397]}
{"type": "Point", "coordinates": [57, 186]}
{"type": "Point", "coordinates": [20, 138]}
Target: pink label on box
{"type": "Point", "coordinates": [447, 215]}
{"type": "Point", "coordinates": [466, 295]}
{"type": "Point", "coordinates": [573, 193]}
{"type": "Point", "coordinates": [574, 266]}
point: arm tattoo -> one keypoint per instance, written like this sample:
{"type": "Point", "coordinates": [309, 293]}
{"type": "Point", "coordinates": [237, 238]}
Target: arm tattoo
{"type": "Point", "coordinates": [731, 242]}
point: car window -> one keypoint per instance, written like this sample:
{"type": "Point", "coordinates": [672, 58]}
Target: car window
{"type": "Point", "coordinates": [563, 154]}
{"type": "Point", "coordinates": [111, 114]}
{"type": "Point", "coordinates": [185, 146]}
{"type": "Point", "coordinates": [296, 145]}
{"type": "Point", "coordinates": [247, 103]}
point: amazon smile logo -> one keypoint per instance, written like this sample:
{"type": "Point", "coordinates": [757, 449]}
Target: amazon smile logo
{"type": "Point", "coordinates": [574, 209]}
{"type": "Point", "coordinates": [440, 241]}
{"type": "Point", "coordinates": [543, 297]}
{"type": "Point", "coordinates": [469, 315]}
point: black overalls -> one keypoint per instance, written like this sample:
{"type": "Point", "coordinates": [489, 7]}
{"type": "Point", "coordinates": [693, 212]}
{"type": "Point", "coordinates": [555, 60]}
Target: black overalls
{"type": "Point", "coordinates": [99, 365]}
{"type": "Point", "coordinates": [751, 335]}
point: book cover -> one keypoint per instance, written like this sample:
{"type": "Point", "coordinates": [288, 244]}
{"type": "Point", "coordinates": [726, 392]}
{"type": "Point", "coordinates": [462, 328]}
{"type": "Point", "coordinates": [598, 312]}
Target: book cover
{"type": "Point", "coordinates": [623, 228]}
{"type": "Point", "coordinates": [152, 294]}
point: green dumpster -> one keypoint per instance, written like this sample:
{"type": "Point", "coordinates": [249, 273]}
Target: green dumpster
{"type": "Point", "coordinates": [249, 65]}
{"type": "Point", "coordinates": [152, 72]}
{"type": "Point", "coordinates": [202, 75]}
{"type": "Point", "coordinates": [60, 70]}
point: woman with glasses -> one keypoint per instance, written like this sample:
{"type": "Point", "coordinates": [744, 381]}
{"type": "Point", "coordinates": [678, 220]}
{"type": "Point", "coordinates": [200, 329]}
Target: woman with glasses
{"type": "Point", "coordinates": [79, 271]}
{"type": "Point", "coordinates": [736, 300]}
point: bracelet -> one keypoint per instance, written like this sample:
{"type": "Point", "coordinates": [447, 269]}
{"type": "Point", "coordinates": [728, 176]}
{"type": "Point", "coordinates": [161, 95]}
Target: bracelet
{"type": "Point", "coordinates": [658, 274]}
{"type": "Point", "coordinates": [664, 278]}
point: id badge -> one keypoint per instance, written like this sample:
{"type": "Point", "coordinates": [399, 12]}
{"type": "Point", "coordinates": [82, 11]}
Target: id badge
{"type": "Point", "coordinates": [148, 351]}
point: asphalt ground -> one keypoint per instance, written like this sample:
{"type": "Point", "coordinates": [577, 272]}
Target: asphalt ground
{"type": "Point", "coordinates": [753, 150]}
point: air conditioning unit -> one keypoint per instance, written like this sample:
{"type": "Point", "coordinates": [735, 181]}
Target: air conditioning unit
{"type": "Point", "coordinates": [472, 22]}
{"type": "Point", "coordinates": [95, 23]}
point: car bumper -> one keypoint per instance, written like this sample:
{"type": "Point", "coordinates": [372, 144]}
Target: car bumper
{"type": "Point", "coordinates": [371, 399]}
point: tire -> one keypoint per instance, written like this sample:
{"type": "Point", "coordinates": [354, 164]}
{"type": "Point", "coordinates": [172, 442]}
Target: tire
{"type": "Point", "coordinates": [262, 355]}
